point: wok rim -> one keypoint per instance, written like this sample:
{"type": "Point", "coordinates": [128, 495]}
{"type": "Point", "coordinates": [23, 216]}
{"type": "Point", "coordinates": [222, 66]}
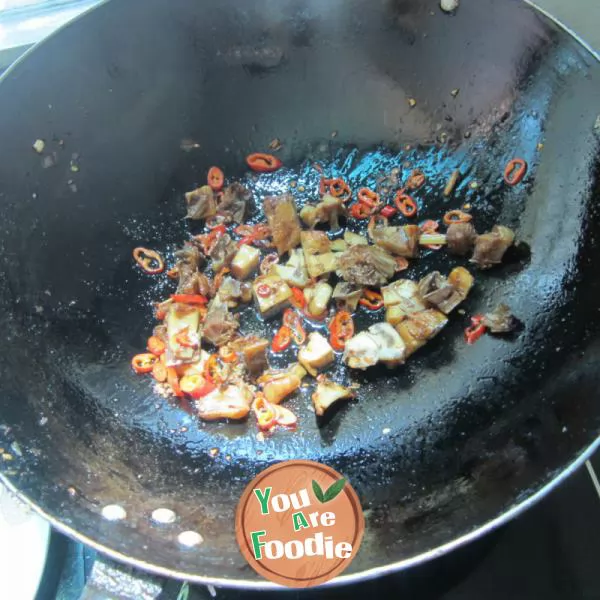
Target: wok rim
{"type": "Point", "coordinates": [149, 568]}
{"type": "Point", "coordinates": [505, 517]}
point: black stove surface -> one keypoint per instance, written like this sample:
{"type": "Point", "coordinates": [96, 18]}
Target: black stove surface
{"type": "Point", "coordinates": [551, 552]}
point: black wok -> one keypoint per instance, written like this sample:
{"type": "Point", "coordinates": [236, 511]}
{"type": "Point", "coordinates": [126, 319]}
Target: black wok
{"type": "Point", "coordinates": [134, 101]}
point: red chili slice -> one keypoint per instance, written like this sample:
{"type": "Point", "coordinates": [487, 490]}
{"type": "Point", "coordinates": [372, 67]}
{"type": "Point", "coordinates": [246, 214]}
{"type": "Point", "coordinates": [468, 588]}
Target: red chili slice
{"type": "Point", "coordinates": [514, 171]}
{"type": "Point", "coordinates": [216, 179]}
{"type": "Point", "coordinates": [189, 298]}
{"type": "Point", "coordinates": [416, 179]}
{"type": "Point", "coordinates": [340, 189]}
{"type": "Point", "coordinates": [388, 211]}
{"type": "Point", "coordinates": [371, 299]}
{"type": "Point", "coordinates": [475, 330]}
{"type": "Point", "coordinates": [263, 163]}
{"type": "Point", "coordinates": [368, 197]}
{"type": "Point", "coordinates": [264, 290]}
{"type": "Point", "coordinates": [405, 204]}
{"type": "Point", "coordinates": [149, 260]}
{"type": "Point", "coordinates": [143, 363]}
{"type": "Point", "coordinates": [360, 211]}
{"type": "Point", "coordinates": [298, 299]}
{"type": "Point", "coordinates": [292, 320]}
{"type": "Point", "coordinates": [282, 339]}
{"type": "Point", "coordinates": [155, 345]}
{"type": "Point", "coordinates": [341, 329]}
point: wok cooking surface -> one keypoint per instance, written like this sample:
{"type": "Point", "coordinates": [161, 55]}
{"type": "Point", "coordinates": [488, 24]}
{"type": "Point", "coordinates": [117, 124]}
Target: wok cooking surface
{"type": "Point", "coordinates": [473, 430]}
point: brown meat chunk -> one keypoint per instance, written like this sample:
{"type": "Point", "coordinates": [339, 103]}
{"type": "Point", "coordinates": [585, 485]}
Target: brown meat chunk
{"type": "Point", "coordinates": [501, 320]}
{"type": "Point", "coordinates": [366, 266]}
{"type": "Point", "coordinates": [401, 241]}
{"type": "Point", "coordinates": [436, 291]}
{"type": "Point", "coordinates": [200, 203]}
{"type": "Point", "coordinates": [417, 329]}
{"type": "Point", "coordinates": [490, 247]}
{"type": "Point", "coordinates": [254, 352]}
{"type": "Point", "coordinates": [233, 292]}
{"type": "Point", "coordinates": [191, 281]}
{"type": "Point", "coordinates": [222, 252]}
{"type": "Point", "coordinates": [284, 222]}
{"type": "Point", "coordinates": [236, 203]}
{"type": "Point", "coordinates": [328, 210]}
{"type": "Point", "coordinates": [219, 325]}
{"type": "Point", "coordinates": [460, 238]}
{"type": "Point", "coordinates": [346, 296]}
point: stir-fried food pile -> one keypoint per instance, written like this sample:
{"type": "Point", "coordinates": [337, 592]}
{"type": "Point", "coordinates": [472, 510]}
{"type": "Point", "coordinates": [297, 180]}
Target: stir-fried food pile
{"type": "Point", "coordinates": [307, 271]}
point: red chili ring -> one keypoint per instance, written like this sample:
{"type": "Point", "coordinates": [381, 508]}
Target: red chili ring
{"type": "Point", "coordinates": [263, 163]}
{"type": "Point", "coordinates": [514, 171]}
{"type": "Point", "coordinates": [263, 290]}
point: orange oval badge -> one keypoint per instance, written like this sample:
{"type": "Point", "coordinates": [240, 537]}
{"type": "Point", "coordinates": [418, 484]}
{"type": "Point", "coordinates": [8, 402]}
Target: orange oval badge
{"type": "Point", "coordinates": [299, 523]}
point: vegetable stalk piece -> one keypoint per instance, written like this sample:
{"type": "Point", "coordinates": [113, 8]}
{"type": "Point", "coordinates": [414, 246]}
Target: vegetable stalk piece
{"type": "Point", "coordinates": [401, 298]}
{"type": "Point", "coordinates": [283, 220]}
{"type": "Point", "coordinates": [317, 354]}
{"type": "Point", "coordinates": [418, 328]}
{"type": "Point", "coordinates": [490, 247]}
{"type": "Point", "coordinates": [400, 241]}
{"type": "Point", "coordinates": [354, 239]}
{"type": "Point", "coordinates": [329, 210]}
{"type": "Point", "coordinates": [319, 258]}
{"type": "Point", "coordinates": [182, 323]}
{"type": "Point", "coordinates": [366, 266]}
{"type": "Point", "coordinates": [294, 271]}
{"type": "Point", "coordinates": [461, 280]}
{"type": "Point", "coordinates": [319, 298]}
{"type": "Point", "coordinates": [277, 385]}
{"type": "Point", "coordinates": [328, 393]}
{"type": "Point", "coordinates": [200, 203]}
{"type": "Point", "coordinates": [253, 350]}
{"type": "Point", "coordinates": [225, 402]}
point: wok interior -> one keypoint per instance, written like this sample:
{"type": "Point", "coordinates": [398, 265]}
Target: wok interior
{"type": "Point", "coordinates": [472, 430]}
